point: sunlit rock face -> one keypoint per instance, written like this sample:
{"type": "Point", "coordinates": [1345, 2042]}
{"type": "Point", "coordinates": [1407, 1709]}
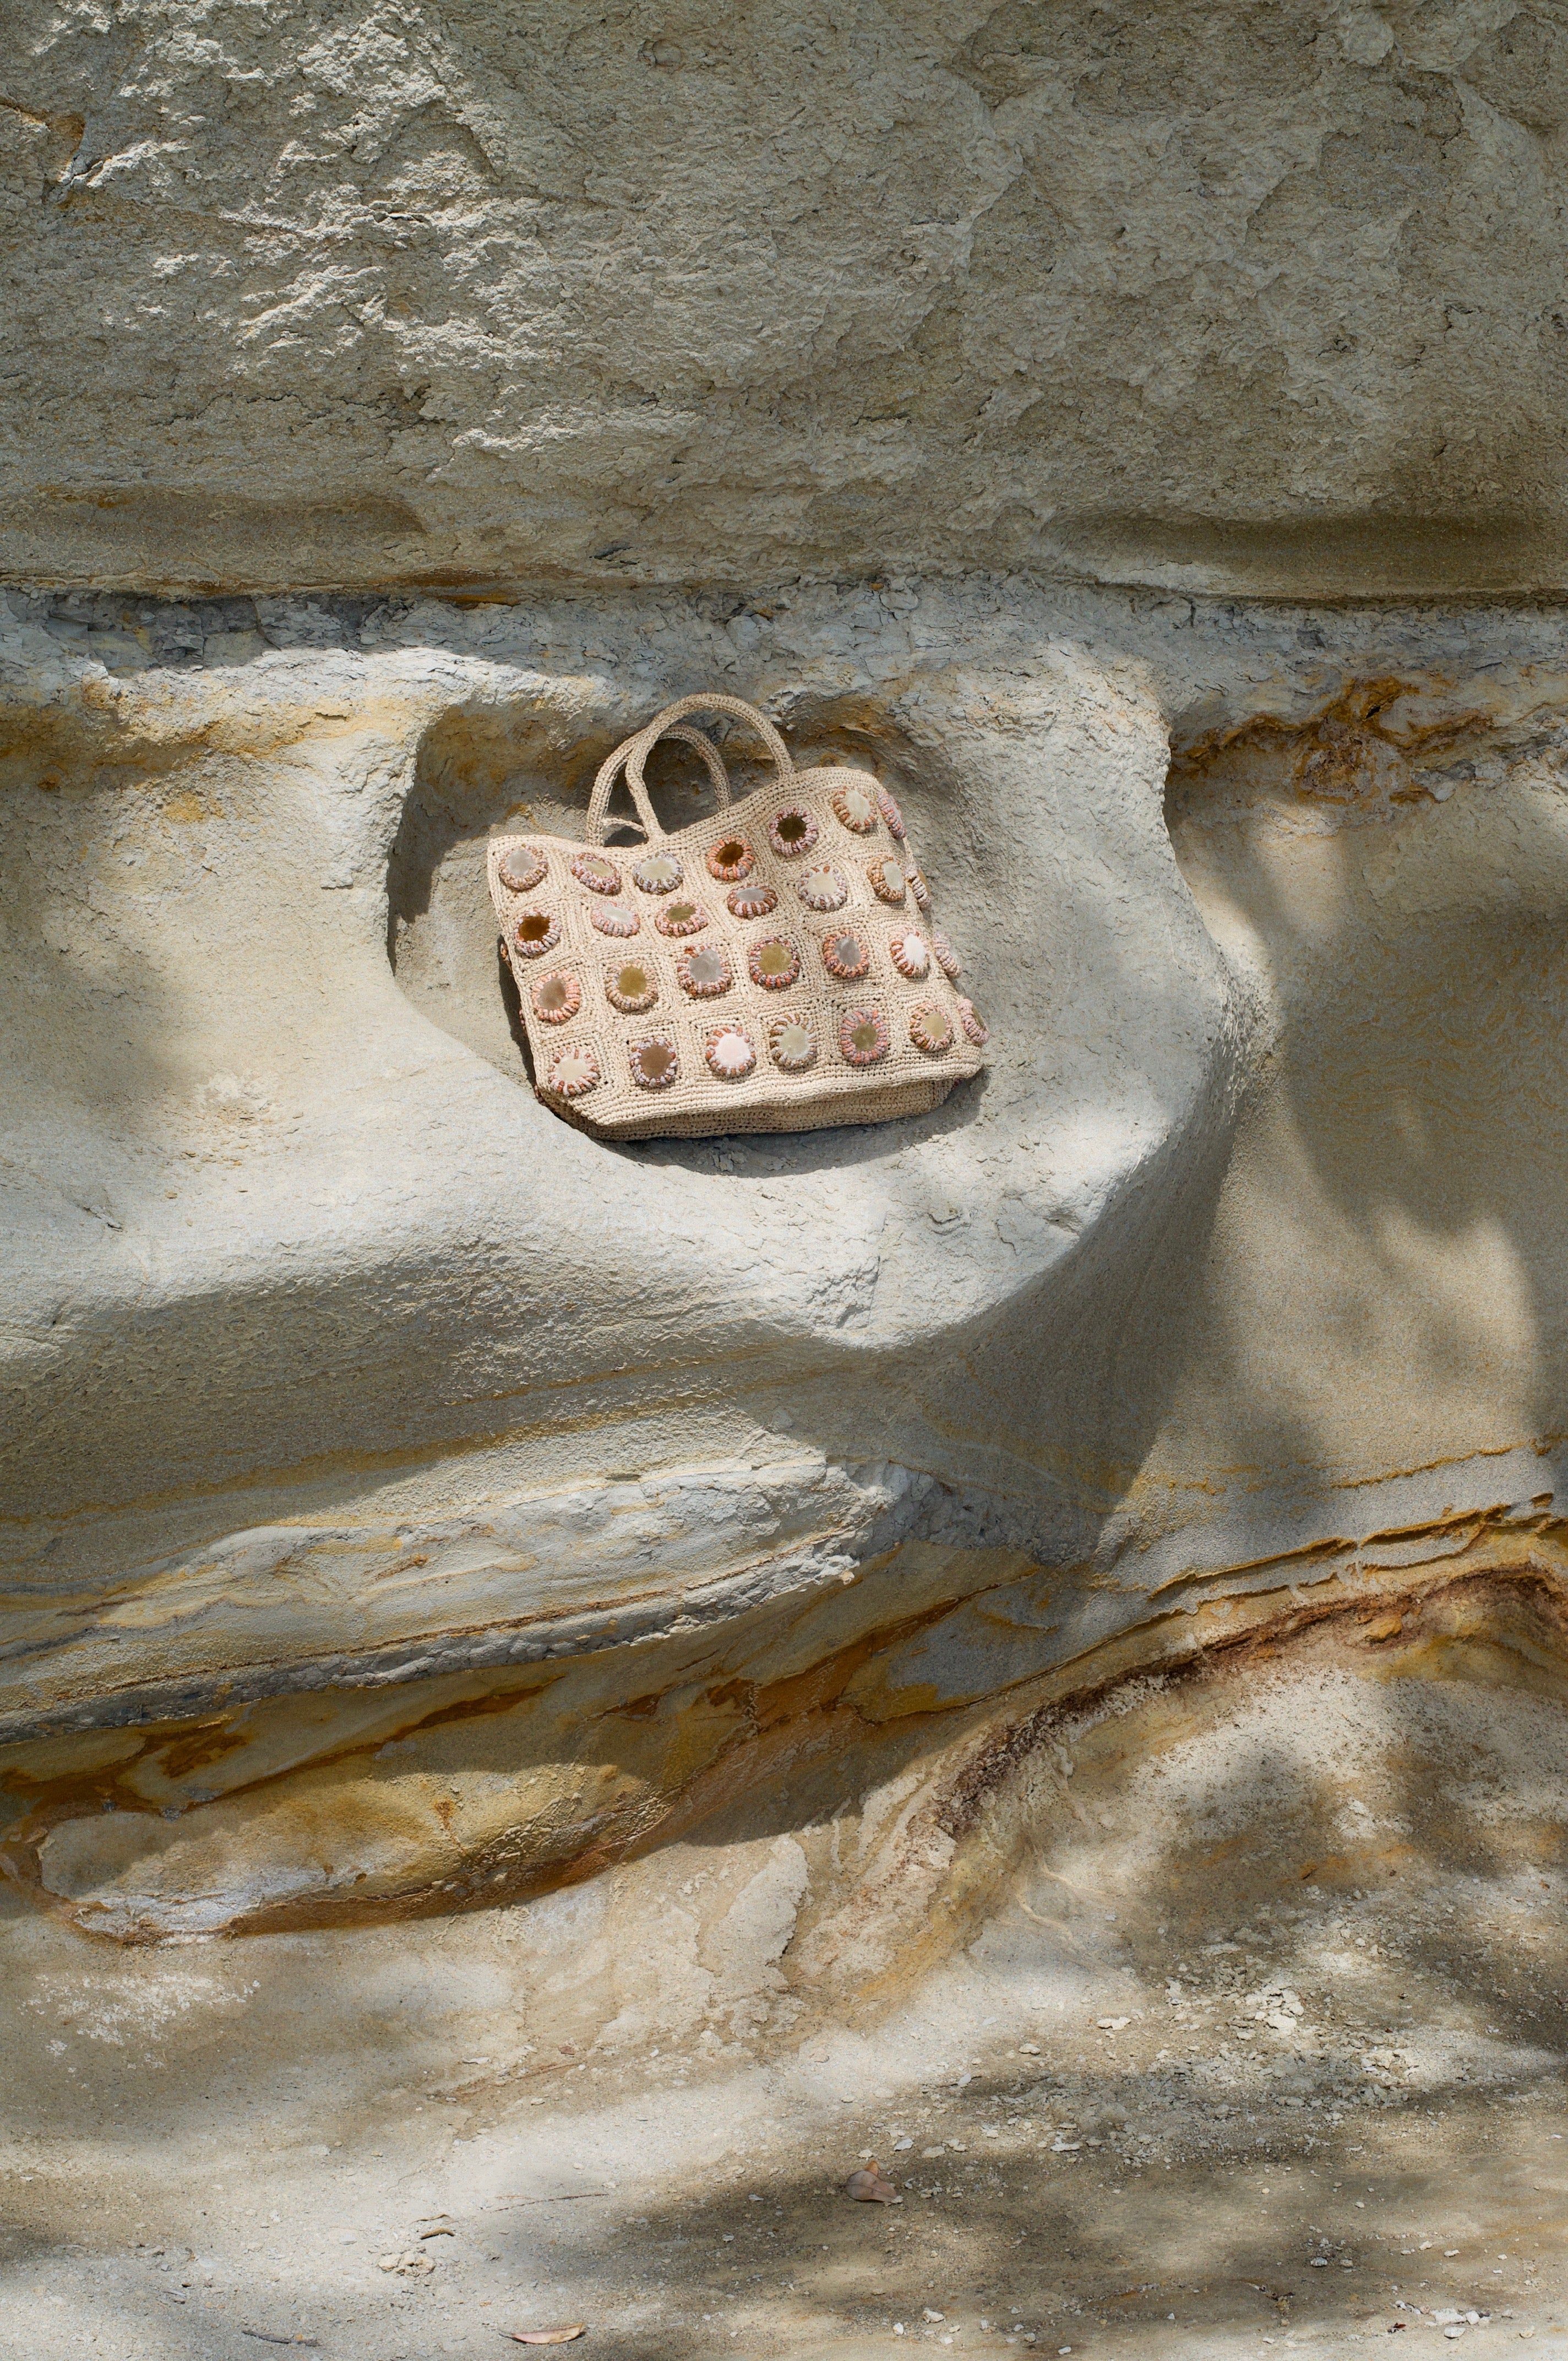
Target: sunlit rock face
{"type": "Point", "coordinates": [413, 1502]}
{"type": "Point", "coordinates": [1250, 298]}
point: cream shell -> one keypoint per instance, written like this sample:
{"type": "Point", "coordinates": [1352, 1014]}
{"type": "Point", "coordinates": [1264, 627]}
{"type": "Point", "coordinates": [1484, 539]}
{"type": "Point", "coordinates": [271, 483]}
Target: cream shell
{"type": "Point", "coordinates": [521, 870]}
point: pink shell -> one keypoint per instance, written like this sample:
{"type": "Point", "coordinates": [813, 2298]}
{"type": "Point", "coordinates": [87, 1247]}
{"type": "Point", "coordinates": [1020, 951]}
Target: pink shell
{"type": "Point", "coordinates": [845, 956]}
{"type": "Point", "coordinates": [931, 1029]}
{"type": "Point", "coordinates": [730, 860]}
{"type": "Point", "coordinates": [658, 873]}
{"type": "Point", "coordinates": [910, 955]}
{"type": "Point", "coordinates": [766, 971]}
{"type": "Point", "coordinates": [917, 885]}
{"type": "Point", "coordinates": [705, 970]}
{"type": "Point", "coordinates": [730, 1053]}
{"type": "Point", "coordinates": [946, 956]}
{"type": "Point", "coordinates": [891, 813]}
{"type": "Point", "coordinates": [521, 870]}
{"type": "Point", "coordinates": [654, 1063]}
{"type": "Point", "coordinates": [755, 901]}
{"type": "Point", "coordinates": [974, 1025]}
{"type": "Point", "coordinates": [557, 998]}
{"type": "Point", "coordinates": [789, 841]}
{"type": "Point", "coordinates": [592, 870]}
{"type": "Point", "coordinates": [621, 923]}
{"type": "Point", "coordinates": [863, 1037]}
{"type": "Point", "coordinates": [682, 917]}
{"type": "Point", "coordinates": [576, 1070]}
{"type": "Point", "coordinates": [539, 937]}
{"type": "Point", "coordinates": [824, 888]}
{"type": "Point", "coordinates": [887, 879]}
{"type": "Point", "coordinates": [856, 806]}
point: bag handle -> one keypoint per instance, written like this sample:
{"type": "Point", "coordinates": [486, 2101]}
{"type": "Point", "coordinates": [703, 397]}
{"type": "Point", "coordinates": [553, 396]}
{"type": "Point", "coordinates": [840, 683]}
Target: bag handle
{"type": "Point", "coordinates": [632, 756]}
{"type": "Point", "coordinates": [604, 785]}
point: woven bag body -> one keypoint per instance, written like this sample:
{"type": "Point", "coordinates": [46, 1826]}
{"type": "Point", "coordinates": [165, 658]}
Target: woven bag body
{"type": "Point", "coordinates": [773, 967]}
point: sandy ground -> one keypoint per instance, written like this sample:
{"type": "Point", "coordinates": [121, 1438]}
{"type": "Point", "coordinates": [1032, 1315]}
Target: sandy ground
{"type": "Point", "coordinates": [1259, 2044]}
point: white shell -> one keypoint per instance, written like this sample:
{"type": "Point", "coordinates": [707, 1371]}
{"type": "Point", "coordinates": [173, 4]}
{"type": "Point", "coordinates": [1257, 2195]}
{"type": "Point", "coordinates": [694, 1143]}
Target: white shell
{"type": "Point", "coordinates": [856, 806]}
{"type": "Point", "coordinates": [521, 870]}
{"type": "Point", "coordinates": [658, 873]}
{"type": "Point", "coordinates": [911, 956]}
{"type": "Point", "coordinates": [598, 873]}
{"type": "Point", "coordinates": [824, 887]}
{"type": "Point", "coordinates": [705, 970]}
{"type": "Point", "coordinates": [614, 921]}
{"type": "Point", "coordinates": [575, 1072]}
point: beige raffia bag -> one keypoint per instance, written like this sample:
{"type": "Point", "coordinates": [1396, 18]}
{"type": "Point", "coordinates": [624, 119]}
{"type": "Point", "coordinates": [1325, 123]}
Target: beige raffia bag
{"type": "Point", "coordinates": [771, 968]}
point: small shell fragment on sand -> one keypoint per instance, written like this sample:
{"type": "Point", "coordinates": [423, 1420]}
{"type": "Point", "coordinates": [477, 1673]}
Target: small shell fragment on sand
{"type": "Point", "coordinates": [548, 2335]}
{"type": "Point", "coordinates": [870, 2186]}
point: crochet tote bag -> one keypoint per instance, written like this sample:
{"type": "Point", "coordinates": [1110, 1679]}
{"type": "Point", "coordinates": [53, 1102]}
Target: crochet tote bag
{"type": "Point", "coordinates": [771, 968]}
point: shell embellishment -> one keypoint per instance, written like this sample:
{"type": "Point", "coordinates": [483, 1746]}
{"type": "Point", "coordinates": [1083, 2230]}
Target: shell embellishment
{"type": "Point", "coordinates": [751, 901]}
{"type": "Point", "coordinates": [774, 964]}
{"type": "Point", "coordinates": [681, 918]}
{"type": "Point", "coordinates": [704, 972]}
{"type": "Point", "coordinates": [653, 1062]}
{"type": "Point", "coordinates": [891, 813]}
{"type": "Point", "coordinates": [863, 1037]}
{"type": "Point", "coordinates": [730, 1053]}
{"type": "Point", "coordinates": [631, 988]}
{"type": "Point", "coordinates": [910, 955]}
{"type": "Point", "coordinates": [536, 932]}
{"type": "Point", "coordinates": [974, 1025]}
{"type": "Point", "coordinates": [792, 832]}
{"type": "Point", "coordinates": [730, 860]}
{"type": "Point", "coordinates": [791, 1046]}
{"type": "Point", "coordinates": [824, 888]}
{"type": "Point", "coordinates": [856, 806]}
{"type": "Point", "coordinates": [658, 873]}
{"type": "Point", "coordinates": [557, 997]}
{"type": "Point", "coordinates": [575, 1072]}
{"type": "Point", "coordinates": [887, 879]}
{"type": "Point", "coordinates": [592, 870]}
{"type": "Point", "coordinates": [931, 1029]}
{"type": "Point", "coordinates": [946, 956]}
{"type": "Point", "coordinates": [521, 870]}
{"type": "Point", "coordinates": [846, 957]}
{"type": "Point", "coordinates": [619, 922]}
{"type": "Point", "coordinates": [916, 880]}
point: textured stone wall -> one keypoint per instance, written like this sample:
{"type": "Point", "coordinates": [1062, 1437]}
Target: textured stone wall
{"type": "Point", "coordinates": [1254, 297]}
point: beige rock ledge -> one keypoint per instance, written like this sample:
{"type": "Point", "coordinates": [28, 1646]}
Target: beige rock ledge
{"type": "Point", "coordinates": [348, 1390]}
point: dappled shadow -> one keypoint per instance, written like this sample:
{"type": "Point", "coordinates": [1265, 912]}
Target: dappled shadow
{"type": "Point", "coordinates": [1388, 1288]}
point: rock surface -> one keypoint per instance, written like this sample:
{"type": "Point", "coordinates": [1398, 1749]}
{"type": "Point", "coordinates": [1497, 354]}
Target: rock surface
{"type": "Point", "coordinates": [344, 1372]}
{"type": "Point", "coordinates": [1258, 298]}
